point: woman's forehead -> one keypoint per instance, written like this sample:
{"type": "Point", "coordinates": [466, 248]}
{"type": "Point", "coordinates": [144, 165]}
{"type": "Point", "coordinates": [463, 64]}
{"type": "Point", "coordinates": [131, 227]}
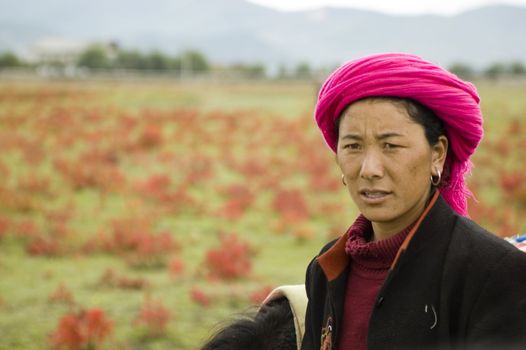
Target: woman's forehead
{"type": "Point", "coordinates": [377, 114]}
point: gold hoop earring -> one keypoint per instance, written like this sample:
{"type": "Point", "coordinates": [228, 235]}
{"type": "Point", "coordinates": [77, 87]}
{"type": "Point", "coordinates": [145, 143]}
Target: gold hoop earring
{"type": "Point", "coordinates": [343, 180]}
{"type": "Point", "coordinates": [437, 181]}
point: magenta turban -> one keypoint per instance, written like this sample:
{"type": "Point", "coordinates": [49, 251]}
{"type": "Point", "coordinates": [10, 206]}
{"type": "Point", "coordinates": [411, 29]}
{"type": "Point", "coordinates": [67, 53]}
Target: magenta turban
{"type": "Point", "coordinates": [453, 100]}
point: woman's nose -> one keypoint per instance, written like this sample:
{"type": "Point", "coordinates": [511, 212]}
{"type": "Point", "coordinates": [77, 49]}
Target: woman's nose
{"type": "Point", "coordinates": [371, 166]}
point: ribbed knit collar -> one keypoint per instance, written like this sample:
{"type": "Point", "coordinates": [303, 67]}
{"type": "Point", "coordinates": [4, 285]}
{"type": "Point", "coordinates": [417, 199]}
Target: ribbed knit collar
{"type": "Point", "coordinates": [373, 256]}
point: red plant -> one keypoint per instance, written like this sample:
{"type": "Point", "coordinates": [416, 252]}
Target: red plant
{"type": "Point", "coordinates": [198, 169]}
{"type": "Point", "coordinates": [333, 210]}
{"type": "Point", "coordinates": [111, 279]}
{"type": "Point", "coordinates": [318, 168]}
{"type": "Point", "coordinates": [150, 250]}
{"type": "Point", "coordinates": [325, 182]}
{"type": "Point", "coordinates": [150, 137]}
{"type": "Point", "coordinates": [60, 215]}
{"type": "Point", "coordinates": [251, 168]}
{"type": "Point", "coordinates": [180, 199]}
{"type": "Point", "coordinates": [4, 226]}
{"type": "Point", "coordinates": [91, 171]}
{"type": "Point", "coordinates": [134, 240]}
{"type": "Point", "coordinates": [239, 198]}
{"type": "Point", "coordinates": [59, 230]}
{"type": "Point", "coordinates": [154, 316]}
{"type": "Point", "coordinates": [259, 295]}
{"type": "Point", "coordinates": [4, 171]}
{"type": "Point", "coordinates": [43, 246]}
{"type": "Point", "coordinates": [108, 278]}
{"type": "Point", "coordinates": [82, 330]}
{"type": "Point", "coordinates": [511, 182]}
{"type": "Point", "coordinates": [99, 242]}
{"type": "Point", "coordinates": [155, 184]}
{"type": "Point", "coordinates": [176, 267]}
{"type": "Point", "coordinates": [515, 127]}
{"type": "Point", "coordinates": [291, 204]}
{"type": "Point", "coordinates": [17, 201]}
{"type": "Point", "coordinates": [132, 283]}
{"type": "Point", "coordinates": [514, 186]}
{"type": "Point", "coordinates": [62, 295]}
{"type": "Point", "coordinates": [33, 184]}
{"type": "Point", "coordinates": [481, 212]}
{"type": "Point", "coordinates": [200, 297]}
{"type": "Point", "coordinates": [233, 209]}
{"type": "Point", "coordinates": [502, 147]}
{"type": "Point", "coordinates": [230, 260]}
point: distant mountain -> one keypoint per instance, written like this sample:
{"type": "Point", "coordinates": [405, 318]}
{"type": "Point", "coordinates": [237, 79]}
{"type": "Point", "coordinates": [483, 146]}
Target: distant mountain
{"type": "Point", "coordinates": [236, 30]}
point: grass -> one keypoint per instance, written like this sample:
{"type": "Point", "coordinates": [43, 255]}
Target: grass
{"type": "Point", "coordinates": [29, 111]}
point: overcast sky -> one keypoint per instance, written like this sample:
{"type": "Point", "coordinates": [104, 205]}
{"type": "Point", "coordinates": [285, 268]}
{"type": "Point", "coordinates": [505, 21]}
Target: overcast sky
{"type": "Point", "coordinates": [444, 7]}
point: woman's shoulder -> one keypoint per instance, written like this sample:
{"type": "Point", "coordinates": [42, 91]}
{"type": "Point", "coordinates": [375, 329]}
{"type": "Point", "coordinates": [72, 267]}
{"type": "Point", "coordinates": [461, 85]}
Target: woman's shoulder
{"type": "Point", "coordinates": [481, 246]}
{"type": "Point", "coordinates": [314, 270]}
{"type": "Point", "coordinates": [328, 246]}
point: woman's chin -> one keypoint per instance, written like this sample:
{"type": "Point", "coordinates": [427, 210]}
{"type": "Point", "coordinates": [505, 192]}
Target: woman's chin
{"type": "Point", "coordinates": [378, 215]}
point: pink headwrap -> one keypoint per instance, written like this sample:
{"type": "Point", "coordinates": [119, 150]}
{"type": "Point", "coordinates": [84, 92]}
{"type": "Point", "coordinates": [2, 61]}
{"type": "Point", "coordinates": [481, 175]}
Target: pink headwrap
{"type": "Point", "coordinates": [454, 101]}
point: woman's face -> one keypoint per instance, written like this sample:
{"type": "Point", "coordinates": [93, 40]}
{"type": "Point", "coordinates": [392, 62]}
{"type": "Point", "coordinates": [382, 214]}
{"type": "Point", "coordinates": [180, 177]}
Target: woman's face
{"type": "Point", "coordinates": [387, 163]}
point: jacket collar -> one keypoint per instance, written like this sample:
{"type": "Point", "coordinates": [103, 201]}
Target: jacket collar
{"type": "Point", "coordinates": [334, 261]}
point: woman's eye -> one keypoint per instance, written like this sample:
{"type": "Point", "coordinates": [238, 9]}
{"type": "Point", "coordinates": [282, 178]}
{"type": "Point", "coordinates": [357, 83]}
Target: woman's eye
{"type": "Point", "coordinates": [352, 146]}
{"type": "Point", "coordinates": [390, 146]}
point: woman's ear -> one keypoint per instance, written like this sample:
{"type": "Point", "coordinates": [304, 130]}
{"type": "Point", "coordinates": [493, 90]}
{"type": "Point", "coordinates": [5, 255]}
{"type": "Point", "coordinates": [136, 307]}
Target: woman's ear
{"type": "Point", "coordinates": [439, 153]}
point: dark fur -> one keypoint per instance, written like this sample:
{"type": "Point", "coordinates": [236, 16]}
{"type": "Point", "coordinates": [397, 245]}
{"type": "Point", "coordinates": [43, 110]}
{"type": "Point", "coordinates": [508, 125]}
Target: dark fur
{"type": "Point", "coordinates": [272, 328]}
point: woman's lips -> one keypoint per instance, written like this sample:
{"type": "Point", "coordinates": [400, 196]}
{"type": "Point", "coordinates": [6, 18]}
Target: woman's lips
{"type": "Point", "coordinates": [374, 196]}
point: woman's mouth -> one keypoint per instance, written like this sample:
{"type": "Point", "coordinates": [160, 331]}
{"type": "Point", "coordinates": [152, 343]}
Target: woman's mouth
{"type": "Point", "coordinates": [374, 196]}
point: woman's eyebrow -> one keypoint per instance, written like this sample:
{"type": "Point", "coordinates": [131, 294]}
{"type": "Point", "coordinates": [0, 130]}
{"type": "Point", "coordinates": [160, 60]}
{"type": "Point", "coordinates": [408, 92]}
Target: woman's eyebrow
{"type": "Point", "coordinates": [352, 137]}
{"type": "Point", "coordinates": [387, 135]}
{"type": "Point", "coordinates": [381, 136]}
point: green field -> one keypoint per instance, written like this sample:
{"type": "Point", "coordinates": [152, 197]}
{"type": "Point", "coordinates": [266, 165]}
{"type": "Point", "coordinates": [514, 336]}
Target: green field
{"type": "Point", "coordinates": [117, 195]}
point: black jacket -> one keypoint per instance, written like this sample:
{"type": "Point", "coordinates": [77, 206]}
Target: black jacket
{"type": "Point", "coordinates": [455, 286]}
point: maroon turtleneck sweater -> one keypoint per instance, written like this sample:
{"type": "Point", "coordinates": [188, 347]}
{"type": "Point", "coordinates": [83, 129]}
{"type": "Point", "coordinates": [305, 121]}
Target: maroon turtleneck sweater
{"type": "Point", "coordinates": [370, 264]}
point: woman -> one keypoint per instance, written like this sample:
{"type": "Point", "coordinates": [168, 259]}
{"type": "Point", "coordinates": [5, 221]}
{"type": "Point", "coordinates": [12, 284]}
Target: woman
{"type": "Point", "coordinates": [412, 271]}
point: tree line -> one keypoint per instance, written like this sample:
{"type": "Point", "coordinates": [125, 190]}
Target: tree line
{"type": "Point", "coordinates": [493, 71]}
{"type": "Point", "coordinates": [98, 57]}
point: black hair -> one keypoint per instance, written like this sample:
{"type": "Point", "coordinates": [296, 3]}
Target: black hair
{"type": "Point", "coordinates": [420, 114]}
{"type": "Point", "coordinates": [272, 328]}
